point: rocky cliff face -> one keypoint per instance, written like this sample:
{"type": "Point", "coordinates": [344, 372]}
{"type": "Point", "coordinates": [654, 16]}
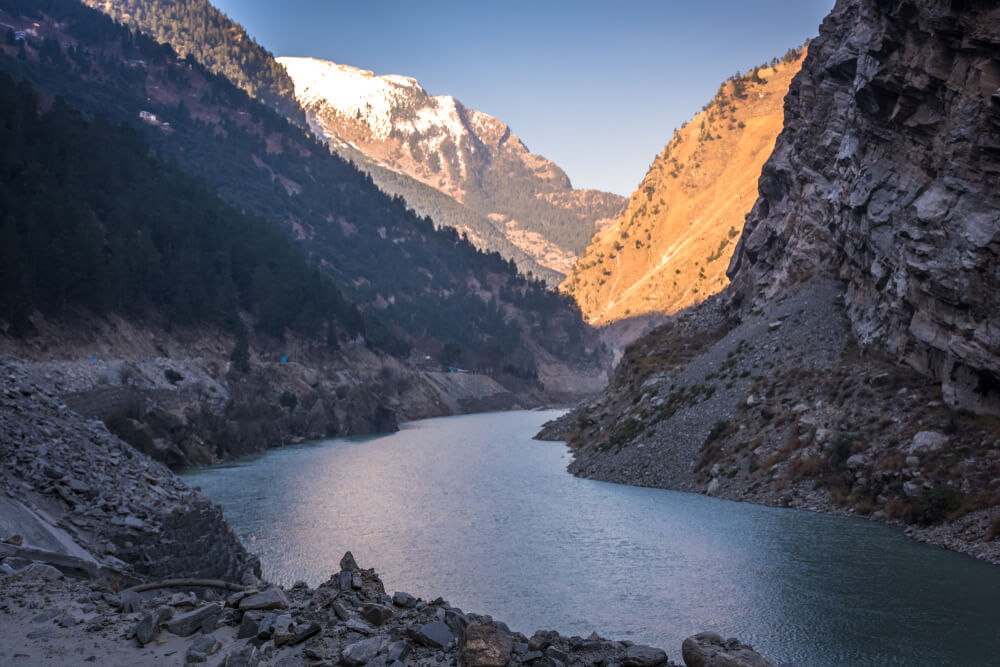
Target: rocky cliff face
{"type": "Point", "coordinates": [862, 317]}
{"type": "Point", "coordinates": [886, 175]}
{"type": "Point", "coordinates": [670, 246]}
{"type": "Point", "coordinates": [468, 155]}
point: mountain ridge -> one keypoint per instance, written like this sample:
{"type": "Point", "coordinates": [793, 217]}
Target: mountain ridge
{"type": "Point", "coordinates": [471, 156]}
{"type": "Point", "coordinates": [671, 244]}
{"type": "Point", "coordinates": [427, 284]}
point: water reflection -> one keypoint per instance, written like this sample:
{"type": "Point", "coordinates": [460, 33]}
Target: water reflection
{"type": "Point", "coordinates": [472, 509]}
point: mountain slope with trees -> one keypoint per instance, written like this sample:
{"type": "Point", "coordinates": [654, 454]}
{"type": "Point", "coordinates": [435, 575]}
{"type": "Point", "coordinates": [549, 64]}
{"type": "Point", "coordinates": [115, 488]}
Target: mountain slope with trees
{"type": "Point", "coordinates": [196, 28]}
{"type": "Point", "coordinates": [90, 220]}
{"type": "Point", "coordinates": [430, 285]}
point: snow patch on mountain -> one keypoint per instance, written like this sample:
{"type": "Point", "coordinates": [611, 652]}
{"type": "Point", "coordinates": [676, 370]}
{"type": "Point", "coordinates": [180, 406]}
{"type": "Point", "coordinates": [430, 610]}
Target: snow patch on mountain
{"type": "Point", "coordinates": [384, 103]}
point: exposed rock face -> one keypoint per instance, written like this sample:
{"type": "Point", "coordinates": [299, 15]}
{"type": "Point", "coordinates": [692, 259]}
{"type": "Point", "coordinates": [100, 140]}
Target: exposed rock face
{"type": "Point", "coordinates": [670, 246]}
{"type": "Point", "coordinates": [887, 175]}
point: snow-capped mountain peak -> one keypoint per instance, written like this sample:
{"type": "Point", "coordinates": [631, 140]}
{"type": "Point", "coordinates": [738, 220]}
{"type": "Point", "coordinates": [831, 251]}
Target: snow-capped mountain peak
{"type": "Point", "coordinates": [463, 153]}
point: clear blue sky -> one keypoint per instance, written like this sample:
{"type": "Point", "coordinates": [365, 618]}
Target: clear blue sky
{"type": "Point", "coordinates": [597, 87]}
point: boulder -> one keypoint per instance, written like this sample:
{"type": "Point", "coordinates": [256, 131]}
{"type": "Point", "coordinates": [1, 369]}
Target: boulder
{"type": "Point", "coordinates": [376, 614]}
{"type": "Point", "coordinates": [249, 625]}
{"type": "Point", "coordinates": [131, 601]}
{"type": "Point", "coordinates": [638, 655]}
{"type": "Point", "coordinates": [927, 441]}
{"type": "Point", "coordinates": [203, 618]}
{"type": "Point", "coordinates": [485, 646]}
{"type": "Point", "coordinates": [272, 598]}
{"type": "Point", "coordinates": [709, 649]}
{"type": "Point", "coordinates": [202, 647]}
{"type": "Point", "coordinates": [244, 656]}
{"type": "Point", "coordinates": [397, 651]}
{"type": "Point", "coordinates": [39, 572]}
{"type": "Point", "coordinates": [304, 632]}
{"type": "Point", "coordinates": [149, 626]}
{"type": "Point", "coordinates": [432, 635]}
{"type": "Point", "coordinates": [359, 653]}
{"type": "Point", "coordinates": [406, 600]}
{"type": "Point", "coordinates": [347, 563]}
{"type": "Point", "coordinates": [456, 621]}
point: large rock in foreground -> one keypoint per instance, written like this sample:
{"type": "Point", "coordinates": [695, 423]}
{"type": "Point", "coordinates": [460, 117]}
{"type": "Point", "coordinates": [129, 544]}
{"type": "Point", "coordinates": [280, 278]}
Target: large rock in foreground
{"type": "Point", "coordinates": [708, 649]}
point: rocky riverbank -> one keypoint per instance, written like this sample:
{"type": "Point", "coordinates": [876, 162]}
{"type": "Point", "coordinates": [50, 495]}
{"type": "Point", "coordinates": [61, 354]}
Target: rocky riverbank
{"type": "Point", "coordinates": [350, 620]}
{"type": "Point", "coordinates": [781, 409]}
{"type": "Point", "coordinates": [107, 557]}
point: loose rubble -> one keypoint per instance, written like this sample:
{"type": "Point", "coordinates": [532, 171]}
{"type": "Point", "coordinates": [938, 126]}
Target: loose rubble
{"type": "Point", "coordinates": [332, 624]}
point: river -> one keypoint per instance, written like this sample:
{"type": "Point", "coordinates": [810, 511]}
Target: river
{"type": "Point", "coordinates": [472, 509]}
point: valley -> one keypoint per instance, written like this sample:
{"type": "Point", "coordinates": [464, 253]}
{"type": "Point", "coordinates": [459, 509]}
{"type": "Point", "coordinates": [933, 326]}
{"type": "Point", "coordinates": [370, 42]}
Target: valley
{"type": "Point", "coordinates": [256, 312]}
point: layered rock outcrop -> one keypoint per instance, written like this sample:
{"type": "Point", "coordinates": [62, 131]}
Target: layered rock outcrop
{"type": "Point", "coordinates": [886, 175]}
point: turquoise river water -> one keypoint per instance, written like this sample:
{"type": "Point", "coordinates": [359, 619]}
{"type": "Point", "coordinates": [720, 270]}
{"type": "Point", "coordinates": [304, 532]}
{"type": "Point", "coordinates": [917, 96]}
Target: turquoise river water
{"type": "Point", "coordinates": [472, 509]}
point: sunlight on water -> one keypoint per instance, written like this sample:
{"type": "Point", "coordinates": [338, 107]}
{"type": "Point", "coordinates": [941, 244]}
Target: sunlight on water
{"type": "Point", "coordinates": [471, 509]}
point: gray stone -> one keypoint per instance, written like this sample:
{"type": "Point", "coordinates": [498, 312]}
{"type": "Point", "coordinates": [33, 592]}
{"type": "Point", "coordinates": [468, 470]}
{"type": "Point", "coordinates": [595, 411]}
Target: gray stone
{"type": "Point", "coordinates": [856, 461]}
{"type": "Point", "coordinates": [272, 598]}
{"type": "Point", "coordinates": [339, 610]}
{"type": "Point", "coordinates": [357, 625]}
{"type": "Point", "coordinates": [531, 656]}
{"type": "Point", "coordinates": [204, 618]}
{"type": "Point", "coordinates": [249, 625]}
{"type": "Point", "coordinates": [359, 653]}
{"type": "Point", "coordinates": [397, 651]}
{"type": "Point", "coordinates": [638, 655]}
{"type": "Point", "coordinates": [557, 653]}
{"type": "Point", "coordinates": [131, 601]}
{"type": "Point", "coordinates": [348, 563]}
{"type": "Point", "coordinates": [456, 621]}
{"type": "Point", "coordinates": [282, 630]}
{"type": "Point", "coordinates": [485, 646]}
{"type": "Point", "coordinates": [244, 656]}
{"type": "Point", "coordinates": [47, 615]}
{"type": "Point", "coordinates": [182, 600]}
{"type": "Point", "coordinates": [927, 441]}
{"type": "Point", "coordinates": [149, 626]}
{"type": "Point", "coordinates": [344, 580]}
{"type": "Point", "coordinates": [234, 599]}
{"type": "Point", "coordinates": [304, 632]}
{"type": "Point", "coordinates": [44, 633]}
{"type": "Point", "coordinates": [206, 644]}
{"type": "Point", "coordinates": [67, 620]}
{"type": "Point", "coordinates": [433, 635]}
{"type": "Point", "coordinates": [39, 572]}
{"type": "Point", "coordinates": [376, 614]}
{"type": "Point", "coordinates": [265, 627]}
{"type": "Point", "coordinates": [406, 600]}
{"type": "Point", "coordinates": [708, 649]}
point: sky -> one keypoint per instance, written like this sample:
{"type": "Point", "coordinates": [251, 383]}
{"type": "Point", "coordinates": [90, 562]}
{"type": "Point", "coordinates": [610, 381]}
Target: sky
{"type": "Point", "coordinates": [596, 87]}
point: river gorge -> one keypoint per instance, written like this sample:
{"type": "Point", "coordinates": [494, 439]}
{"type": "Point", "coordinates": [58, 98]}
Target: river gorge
{"type": "Point", "coordinates": [474, 509]}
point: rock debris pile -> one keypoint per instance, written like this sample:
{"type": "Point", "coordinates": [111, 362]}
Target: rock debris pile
{"type": "Point", "coordinates": [349, 620]}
